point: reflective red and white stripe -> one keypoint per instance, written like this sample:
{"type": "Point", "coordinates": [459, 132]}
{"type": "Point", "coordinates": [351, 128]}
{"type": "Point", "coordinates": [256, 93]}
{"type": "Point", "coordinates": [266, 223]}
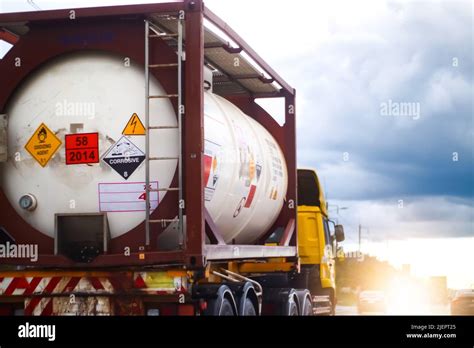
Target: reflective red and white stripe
{"type": "Point", "coordinates": [43, 305]}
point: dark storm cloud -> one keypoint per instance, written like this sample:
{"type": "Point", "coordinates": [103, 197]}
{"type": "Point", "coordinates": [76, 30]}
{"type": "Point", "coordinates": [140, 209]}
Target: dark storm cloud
{"type": "Point", "coordinates": [419, 53]}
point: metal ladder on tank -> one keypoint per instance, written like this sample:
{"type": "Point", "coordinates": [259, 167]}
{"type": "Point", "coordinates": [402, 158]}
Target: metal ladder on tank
{"type": "Point", "coordinates": [153, 32]}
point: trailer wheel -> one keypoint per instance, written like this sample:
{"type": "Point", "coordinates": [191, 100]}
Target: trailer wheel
{"type": "Point", "coordinates": [220, 307]}
{"type": "Point", "coordinates": [307, 308]}
{"type": "Point", "coordinates": [226, 308]}
{"type": "Point", "coordinates": [305, 303]}
{"type": "Point", "coordinates": [248, 300]}
{"type": "Point", "coordinates": [249, 309]}
{"type": "Point", "coordinates": [222, 304]}
{"type": "Point", "coordinates": [277, 301]}
{"type": "Point", "coordinates": [292, 308]}
{"type": "Point", "coordinates": [292, 304]}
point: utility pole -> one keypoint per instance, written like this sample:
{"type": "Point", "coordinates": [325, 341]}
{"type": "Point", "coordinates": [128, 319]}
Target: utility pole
{"type": "Point", "coordinates": [336, 206]}
{"type": "Point", "coordinates": [337, 210]}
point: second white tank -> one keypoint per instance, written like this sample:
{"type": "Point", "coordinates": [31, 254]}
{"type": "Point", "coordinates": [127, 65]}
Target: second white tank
{"type": "Point", "coordinates": [245, 172]}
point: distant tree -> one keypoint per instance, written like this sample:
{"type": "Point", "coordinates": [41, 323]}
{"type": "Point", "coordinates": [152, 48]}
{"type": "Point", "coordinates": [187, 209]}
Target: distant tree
{"type": "Point", "coordinates": [367, 274]}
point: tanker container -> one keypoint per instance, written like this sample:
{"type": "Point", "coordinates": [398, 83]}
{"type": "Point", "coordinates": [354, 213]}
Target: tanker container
{"type": "Point", "coordinates": [76, 153]}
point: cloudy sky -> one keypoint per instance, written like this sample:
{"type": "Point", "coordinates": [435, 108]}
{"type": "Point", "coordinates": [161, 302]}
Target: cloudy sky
{"type": "Point", "coordinates": [406, 177]}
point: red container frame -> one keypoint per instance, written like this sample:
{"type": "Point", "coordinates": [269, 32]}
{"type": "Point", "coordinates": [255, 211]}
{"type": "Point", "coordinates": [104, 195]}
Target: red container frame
{"type": "Point", "coordinates": [120, 29]}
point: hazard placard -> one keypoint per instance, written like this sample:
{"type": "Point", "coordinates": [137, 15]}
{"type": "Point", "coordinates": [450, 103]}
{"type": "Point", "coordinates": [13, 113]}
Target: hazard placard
{"type": "Point", "coordinates": [124, 157]}
{"type": "Point", "coordinates": [134, 126]}
{"type": "Point", "coordinates": [82, 148]}
{"type": "Point", "coordinates": [211, 168]}
{"type": "Point", "coordinates": [43, 144]}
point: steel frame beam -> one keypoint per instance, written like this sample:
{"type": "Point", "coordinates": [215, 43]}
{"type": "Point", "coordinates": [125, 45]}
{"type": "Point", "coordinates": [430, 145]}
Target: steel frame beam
{"type": "Point", "coordinates": [7, 36]}
{"type": "Point", "coordinates": [193, 124]}
{"type": "Point", "coordinates": [241, 252]}
{"type": "Point", "coordinates": [212, 231]}
{"type": "Point", "coordinates": [116, 260]}
{"type": "Point", "coordinates": [288, 233]}
{"type": "Point", "coordinates": [105, 11]}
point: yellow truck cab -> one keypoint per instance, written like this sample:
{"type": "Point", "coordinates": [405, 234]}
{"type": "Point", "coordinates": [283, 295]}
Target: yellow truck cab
{"type": "Point", "coordinates": [317, 246]}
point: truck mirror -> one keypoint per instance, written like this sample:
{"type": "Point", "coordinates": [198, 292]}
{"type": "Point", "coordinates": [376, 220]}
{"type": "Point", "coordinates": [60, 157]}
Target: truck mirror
{"type": "Point", "coordinates": [339, 231]}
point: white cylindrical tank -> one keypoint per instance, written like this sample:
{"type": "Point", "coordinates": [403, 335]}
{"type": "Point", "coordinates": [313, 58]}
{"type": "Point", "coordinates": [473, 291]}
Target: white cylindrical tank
{"type": "Point", "coordinates": [95, 92]}
{"type": "Point", "coordinates": [246, 176]}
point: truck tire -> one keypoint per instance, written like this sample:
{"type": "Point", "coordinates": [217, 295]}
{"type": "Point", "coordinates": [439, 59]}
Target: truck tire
{"type": "Point", "coordinates": [290, 303]}
{"type": "Point", "coordinates": [307, 309]}
{"type": "Point", "coordinates": [221, 303]}
{"type": "Point", "coordinates": [249, 309]}
{"type": "Point", "coordinates": [226, 309]}
{"type": "Point", "coordinates": [292, 308]}
{"type": "Point", "coordinates": [305, 302]}
{"type": "Point", "coordinates": [283, 301]}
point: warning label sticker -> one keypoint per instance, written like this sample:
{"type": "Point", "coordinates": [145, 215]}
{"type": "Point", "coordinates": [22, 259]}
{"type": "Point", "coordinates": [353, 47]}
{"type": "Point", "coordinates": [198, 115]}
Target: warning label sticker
{"type": "Point", "coordinates": [134, 126]}
{"type": "Point", "coordinates": [126, 196]}
{"type": "Point", "coordinates": [43, 144]}
{"type": "Point", "coordinates": [124, 157]}
{"type": "Point", "coordinates": [82, 148]}
{"type": "Point", "coordinates": [211, 168]}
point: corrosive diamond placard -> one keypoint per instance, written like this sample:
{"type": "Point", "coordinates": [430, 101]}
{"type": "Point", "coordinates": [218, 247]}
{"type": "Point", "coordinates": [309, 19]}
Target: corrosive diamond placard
{"type": "Point", "coordinates": [124, 157]}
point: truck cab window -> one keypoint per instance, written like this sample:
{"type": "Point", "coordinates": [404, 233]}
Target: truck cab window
{"type": "Point", "coordinates": [308, 190]}
{"type": "Point", "coordinates": [327, 233]}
